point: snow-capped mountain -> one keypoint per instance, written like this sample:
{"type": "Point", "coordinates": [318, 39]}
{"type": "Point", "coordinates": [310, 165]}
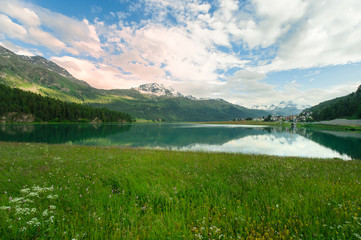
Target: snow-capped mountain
{"type": "Point", "coordinates": [158, 90]}
{"type": "Point", "coordinates": [283, 108]}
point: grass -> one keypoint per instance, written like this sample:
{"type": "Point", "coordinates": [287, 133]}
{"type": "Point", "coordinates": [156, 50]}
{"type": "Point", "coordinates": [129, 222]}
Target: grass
{"type": "Point", "coordinates": [249, 122]}
{"type": "Point", "coordinates": [141, 120]}
{"type": "Point", "coordinates": [79, 192]}
{"type": "Point", "coordinates": [330, 127]}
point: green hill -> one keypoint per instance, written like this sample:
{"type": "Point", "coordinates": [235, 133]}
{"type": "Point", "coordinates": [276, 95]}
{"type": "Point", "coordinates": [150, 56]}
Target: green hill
{"type": "Point", "coordinates": [343, 107]}
{"type": "Point", "coordinates": [38, 75]}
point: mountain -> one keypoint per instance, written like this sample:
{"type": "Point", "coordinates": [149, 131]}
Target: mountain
{"type": "Point", "coordinates": [41, 76]}
{"type": "Point", "coordinates": [181, 109]}
{"type": "Point", "coordinates": [283, 108]}
{"type": "Point", "coordinates": [148, 101]}
{"type": "Point", "coordinates": [158, 90]}
{"type": "Point", "coordinates": [343, 107]}
{"type": "Point", "coordinates": [40, 61]}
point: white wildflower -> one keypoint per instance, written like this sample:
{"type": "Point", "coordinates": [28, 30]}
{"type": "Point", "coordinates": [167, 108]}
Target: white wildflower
{"type": "Point", "coordinates": [5, 208]}
{"type": "Point", "coordinates": [199, 236]}
{"type": "Point", "coordinates": [45, 213]}
{"type": "Point", "coordinates": [38, 189]}
{"type": "Point", "coordinates": [27, 201]}
{"type": "Point", "coordinates": [33, 194]}
{"type": "Point", "coordinates": [25, 190]}
{"type": "Point", "coordinates": [52, 196]}
{"type": "Point", "coordinates": [34, 222]}
{"type": "Point", "coordinates": [357, 235]}
{"type": "Point", "coordinates": [16, 200]}
{"type": "Point", "coordinates": [22, 211]}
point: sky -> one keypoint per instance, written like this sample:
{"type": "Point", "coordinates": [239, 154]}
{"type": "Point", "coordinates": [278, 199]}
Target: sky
{"type": "Point", "coordinates": [248, 52]}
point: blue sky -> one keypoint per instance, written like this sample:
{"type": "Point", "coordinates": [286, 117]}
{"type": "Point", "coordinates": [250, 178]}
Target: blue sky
{"type": "Point", "coordinates": [252, 52]}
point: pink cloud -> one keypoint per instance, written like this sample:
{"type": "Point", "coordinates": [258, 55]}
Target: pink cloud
{"type": "Point", "coordinates": [97, 75]}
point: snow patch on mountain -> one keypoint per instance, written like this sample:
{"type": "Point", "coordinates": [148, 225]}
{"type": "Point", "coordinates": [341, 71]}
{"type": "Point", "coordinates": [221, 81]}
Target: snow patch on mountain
{"type": "Point", "coordinates": [158, 90]}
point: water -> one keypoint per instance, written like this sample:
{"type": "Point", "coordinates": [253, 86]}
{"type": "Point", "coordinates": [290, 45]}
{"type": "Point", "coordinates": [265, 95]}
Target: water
{"type": "Point", "coordinates": [195, 137]}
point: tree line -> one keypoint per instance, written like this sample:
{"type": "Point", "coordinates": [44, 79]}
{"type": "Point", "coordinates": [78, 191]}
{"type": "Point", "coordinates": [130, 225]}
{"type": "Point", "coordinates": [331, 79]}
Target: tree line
{"type": "Point", "coordinates": [344, 107]}
{"type": "Point", "coordinates": [47, 109]}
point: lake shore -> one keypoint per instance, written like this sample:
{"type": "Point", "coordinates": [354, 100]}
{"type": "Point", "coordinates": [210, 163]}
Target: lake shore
{"type": "Point", "coordinates": [337, 124]}
{"type": "Point", "coordinates": [66, 192]}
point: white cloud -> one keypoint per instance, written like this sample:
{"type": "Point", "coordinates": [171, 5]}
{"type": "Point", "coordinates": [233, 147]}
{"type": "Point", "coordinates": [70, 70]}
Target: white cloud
{"type": "Point", "coordinates": [328, 34]}
{"type": "Point", "coordinates": [12, 29]}
{"type": "Point", "coordinates": [80, 35]}
{"type": "Point", "coordinates": [23, 14]}
{"type": "Point", "coordinates": [221, 49]}
{"type": "Point", "coordinates": [32, 35]}
{"type": "Point", "coordinates": [274, 20]}
{"type": "Point", "coordinates": [98, 75]}
{"type": "Point", "coordinates": [26, 22]}
{"type": "Point", "coordinates": [168, 52]}
{"type": "Point", "coordinates": [250, 88]}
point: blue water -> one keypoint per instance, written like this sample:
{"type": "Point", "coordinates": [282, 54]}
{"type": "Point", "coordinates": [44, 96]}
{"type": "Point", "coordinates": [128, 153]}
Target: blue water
{"type": "Point", "coordinates": [195, 137]}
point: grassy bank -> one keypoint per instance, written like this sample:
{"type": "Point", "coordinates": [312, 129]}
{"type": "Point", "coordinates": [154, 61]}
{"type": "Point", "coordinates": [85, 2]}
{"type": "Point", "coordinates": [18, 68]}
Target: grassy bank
{"type": "Point", "coordinates": [249, 122]}
{"type": "Point", "coordinates": [67, 192]}
{"type": "Point", "coordinates": [330, 127]}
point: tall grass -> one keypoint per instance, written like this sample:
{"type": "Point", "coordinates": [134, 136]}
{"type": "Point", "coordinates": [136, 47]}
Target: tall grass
{"type": "Point", "coordinates": [77, 192]}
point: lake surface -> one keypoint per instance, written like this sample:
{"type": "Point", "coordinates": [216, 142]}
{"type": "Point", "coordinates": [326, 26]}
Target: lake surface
{"type": "Point", "coordinates": [195, 137]}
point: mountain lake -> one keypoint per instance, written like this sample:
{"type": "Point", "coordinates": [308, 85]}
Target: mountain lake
{"type": "Point", "coordinates": [252, 139]}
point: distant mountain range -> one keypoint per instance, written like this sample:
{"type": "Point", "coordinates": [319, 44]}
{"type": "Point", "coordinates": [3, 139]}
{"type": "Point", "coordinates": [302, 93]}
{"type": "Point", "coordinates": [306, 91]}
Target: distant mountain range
{"type": "Point", "coordinates": [148, 101]}
{"type": "Point", "coordinates": [283, 108]}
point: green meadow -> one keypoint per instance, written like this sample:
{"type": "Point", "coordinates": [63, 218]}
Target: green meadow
{"type": "Point", "coordinates": [80, 192]}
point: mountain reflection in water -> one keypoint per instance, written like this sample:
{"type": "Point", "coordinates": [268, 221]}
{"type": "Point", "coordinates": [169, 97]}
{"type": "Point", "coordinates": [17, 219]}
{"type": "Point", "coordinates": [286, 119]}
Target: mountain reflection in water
{"type": "Point", "coordinates": [196, 137]}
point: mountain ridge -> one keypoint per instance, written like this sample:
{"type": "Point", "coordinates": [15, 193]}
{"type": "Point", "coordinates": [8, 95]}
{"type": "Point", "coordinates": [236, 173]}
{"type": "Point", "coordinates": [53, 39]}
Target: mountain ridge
{"type": "Point", "coordinates": [44, 77]}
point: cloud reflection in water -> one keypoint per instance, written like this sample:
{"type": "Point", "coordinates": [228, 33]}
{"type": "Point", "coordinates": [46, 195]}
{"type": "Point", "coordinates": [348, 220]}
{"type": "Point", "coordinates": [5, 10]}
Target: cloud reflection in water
{"type": "Point", "coordinates": [278, 144]}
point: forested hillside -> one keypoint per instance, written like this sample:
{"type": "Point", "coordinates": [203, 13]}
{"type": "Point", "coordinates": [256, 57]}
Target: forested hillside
{"type": "Point", "coordinates": [344, 107]}
{"type": "Point", "coordinates": [15, 102]}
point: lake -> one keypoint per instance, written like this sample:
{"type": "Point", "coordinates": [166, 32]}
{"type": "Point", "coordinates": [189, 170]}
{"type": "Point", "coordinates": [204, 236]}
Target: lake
{"type": "Point", "coordinates": [282, 141]}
